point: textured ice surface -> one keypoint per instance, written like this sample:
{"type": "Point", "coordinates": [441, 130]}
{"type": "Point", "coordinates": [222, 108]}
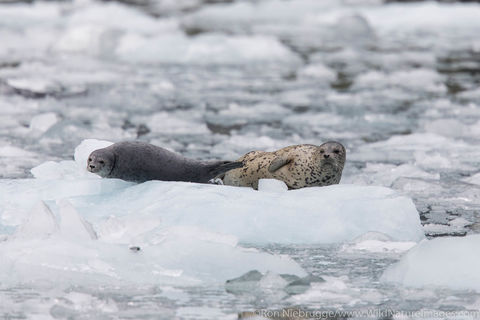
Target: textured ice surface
{"type": "Point", "coordinates": [396, 83]}
{"type": "Point", "coordinates": [64, 248]}
{"type": "Point", "coordinates": [80, 227]}
{"type": "Point", "coordinates": [443, 262]}
{"type": "Point", "coordinates": [270, 215]}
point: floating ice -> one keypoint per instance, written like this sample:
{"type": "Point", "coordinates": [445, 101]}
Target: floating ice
{"type": "Point", "coordinates": [253, 282]}
{"type": "Point", "coordinates": [335, 291]}
{"type": "Point", "coordinates": [319, 72]}
{"type": "Point", "coordinates": [416, 79]}
{"type": "Point", "coordinates": [204, 49]}
{"type": "Point", "coordinates": [475, 179]}
{"type": "Point", "coordinates": [377, 242]}
{"type": "Point", "coordinates": [311, 215]}
{"type": "Point", "coordinates": [47, 251]}
{"type": "Point", "coordinates": [40, 223]}
{"type": "Point", "coordinates": [386, 174]}
{"type": "Point", "coordinates": [443, 262]}
{"type": "Point", "coordinates": [43, 122]}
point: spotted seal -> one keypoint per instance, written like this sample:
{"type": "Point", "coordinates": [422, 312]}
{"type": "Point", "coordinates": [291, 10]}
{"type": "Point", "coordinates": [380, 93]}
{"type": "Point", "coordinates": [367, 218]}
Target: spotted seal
{"type": "Point", "coordinates": [139, 161]}
{"type": "Point", "coordinates": [298, 166]}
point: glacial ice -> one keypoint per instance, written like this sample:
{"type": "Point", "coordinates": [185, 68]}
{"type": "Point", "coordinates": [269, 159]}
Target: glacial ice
{"type": "Point", "coordinates": [79, 226]}
{"type": "Point", "coordinates": [441, 262]}
{"type": "Point", "coordinates": [66, 250]}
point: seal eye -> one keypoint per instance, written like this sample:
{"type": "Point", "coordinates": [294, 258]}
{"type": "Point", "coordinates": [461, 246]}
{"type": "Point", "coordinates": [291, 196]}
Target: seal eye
{"type": "Point", "coordinates": [322, 151]}
{"type": "Point", "coordinates": [336, 151]}
{"type": "Point", "coordinates": [101, 162]}
{"type": "Point", "coordinates": [89, 159]}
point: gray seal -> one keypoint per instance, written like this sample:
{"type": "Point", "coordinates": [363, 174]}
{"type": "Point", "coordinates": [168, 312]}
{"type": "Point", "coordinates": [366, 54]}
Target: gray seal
{"type": "Point", "coordinates": [298, 166]}
{"type": "Point", "coordinates": [139, 162]}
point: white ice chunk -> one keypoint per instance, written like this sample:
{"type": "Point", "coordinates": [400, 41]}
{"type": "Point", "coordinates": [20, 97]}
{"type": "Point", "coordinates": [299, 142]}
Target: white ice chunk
{"type": "Point", "coordinates": [426, 79]}
{"type": "Point", "coordinates": [318, 71]}
{"type": "Point", "coordinates": [43, 122]}
{"type": "Point", "coordinates": [14, 152]}
{"type": "Point", "coordinates": [386, 174]}
{"type": "Point", "coordinates": [336, 290]}
{"type": "Point", "coordinates": [72, 225]}
{"type": "Point", "coordinates": [40, 223]}
{"type": "Point", "coordinates": [178, 256]}
{"type": "Point", "coordinates": [443, 262]}
{"type": "Point", "coordinates": [475, 179]}
{"type": "Point", "coordinates": [310, 215]}
{"type": "Point", "coordinates": [166, 123]}
{"type": "Point", "coordinates": [17, 197]}
{"type": "Point", "coordinates": [56, 170]}
{"type": "Point", "coordinates": [377, 242]}
{"type": "Point", "coordinates": [402, 148]}
{"type": "Point", "coordinates": [35, 85]}
{"type": "Point", "coordinates": [204, 49]}
{"type": "Point", "coordinates": [272, 185]}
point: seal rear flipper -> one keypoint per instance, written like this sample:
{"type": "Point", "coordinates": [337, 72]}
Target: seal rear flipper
{"type": "Point", "coordinates": [219, 169]}
{"type": "Point", "coordinates": [277, 163]}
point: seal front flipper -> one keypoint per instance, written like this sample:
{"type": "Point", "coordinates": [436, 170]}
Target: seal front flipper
{"type": "Point", "coordinates": [277, 163]}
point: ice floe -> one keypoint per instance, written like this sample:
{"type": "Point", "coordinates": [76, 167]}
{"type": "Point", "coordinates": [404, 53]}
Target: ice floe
{"type": "Point", "coordinates": [441, 262]}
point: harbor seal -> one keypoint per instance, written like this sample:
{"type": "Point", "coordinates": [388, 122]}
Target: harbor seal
{"type": "Point", "coordinates": [298, 166]}
{"type": "Point", "coordinates": [139, 162]}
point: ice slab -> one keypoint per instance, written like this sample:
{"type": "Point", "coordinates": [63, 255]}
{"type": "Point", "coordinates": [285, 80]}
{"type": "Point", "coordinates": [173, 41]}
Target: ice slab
{"type": "Point", "coordinates": [311, 215]}
{"type": "Point", "coordinates": [64, 249]}
{"type": "Point", "coordinates": [443, 262]}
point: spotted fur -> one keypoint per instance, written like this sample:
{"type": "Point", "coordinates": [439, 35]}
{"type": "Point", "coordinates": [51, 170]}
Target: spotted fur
{"type": "Point", "coordinates": [299, 166]}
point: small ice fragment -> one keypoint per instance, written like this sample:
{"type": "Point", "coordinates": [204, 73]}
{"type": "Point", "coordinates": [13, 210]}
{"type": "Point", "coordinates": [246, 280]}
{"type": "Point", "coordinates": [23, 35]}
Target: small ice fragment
{"type": "Point", "coordinates": [272, 185]}
{"type": "Point", "coordinates": [43, 122]}
{"type": "Point", "coordinates": [72, 225]}
{"type": "Point", "coordinates": [377, 242]}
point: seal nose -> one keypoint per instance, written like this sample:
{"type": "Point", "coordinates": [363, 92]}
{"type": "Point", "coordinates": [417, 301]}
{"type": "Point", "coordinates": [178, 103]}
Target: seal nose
{"type": "Point", "coordinates": [326, 156]}
{"type": "Point", "coordinates": [92, 166]}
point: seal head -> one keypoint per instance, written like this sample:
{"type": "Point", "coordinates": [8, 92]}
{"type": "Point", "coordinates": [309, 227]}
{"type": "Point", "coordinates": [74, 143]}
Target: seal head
{"type": "Point", "coordinates": [331, 156]}
{"type": "Point", "coordinates": [101, 162]}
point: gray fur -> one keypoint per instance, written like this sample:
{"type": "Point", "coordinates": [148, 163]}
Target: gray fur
{"type": "Point", "coordinates": [138, 161]}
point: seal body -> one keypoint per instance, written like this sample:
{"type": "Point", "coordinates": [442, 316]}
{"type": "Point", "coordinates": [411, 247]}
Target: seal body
{"type": "Point", "coordinates": [298, 166]}
{"type": "Point", "coordinates": [138, 161]}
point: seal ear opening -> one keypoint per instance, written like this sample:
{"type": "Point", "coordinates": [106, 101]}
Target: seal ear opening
{"type": "Point", "coordinates": [278, 163]}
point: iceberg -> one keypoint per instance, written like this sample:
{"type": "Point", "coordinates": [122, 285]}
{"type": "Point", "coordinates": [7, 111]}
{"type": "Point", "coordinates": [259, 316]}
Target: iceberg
{"type": "Point", "coordinates": [64, 248]}
{"type": "Point", "coordinates": [74, 226]}
{"type": "Point", "coordinates": [336, 213]}
{"type": "Point", "coordinates": [442, 262]}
